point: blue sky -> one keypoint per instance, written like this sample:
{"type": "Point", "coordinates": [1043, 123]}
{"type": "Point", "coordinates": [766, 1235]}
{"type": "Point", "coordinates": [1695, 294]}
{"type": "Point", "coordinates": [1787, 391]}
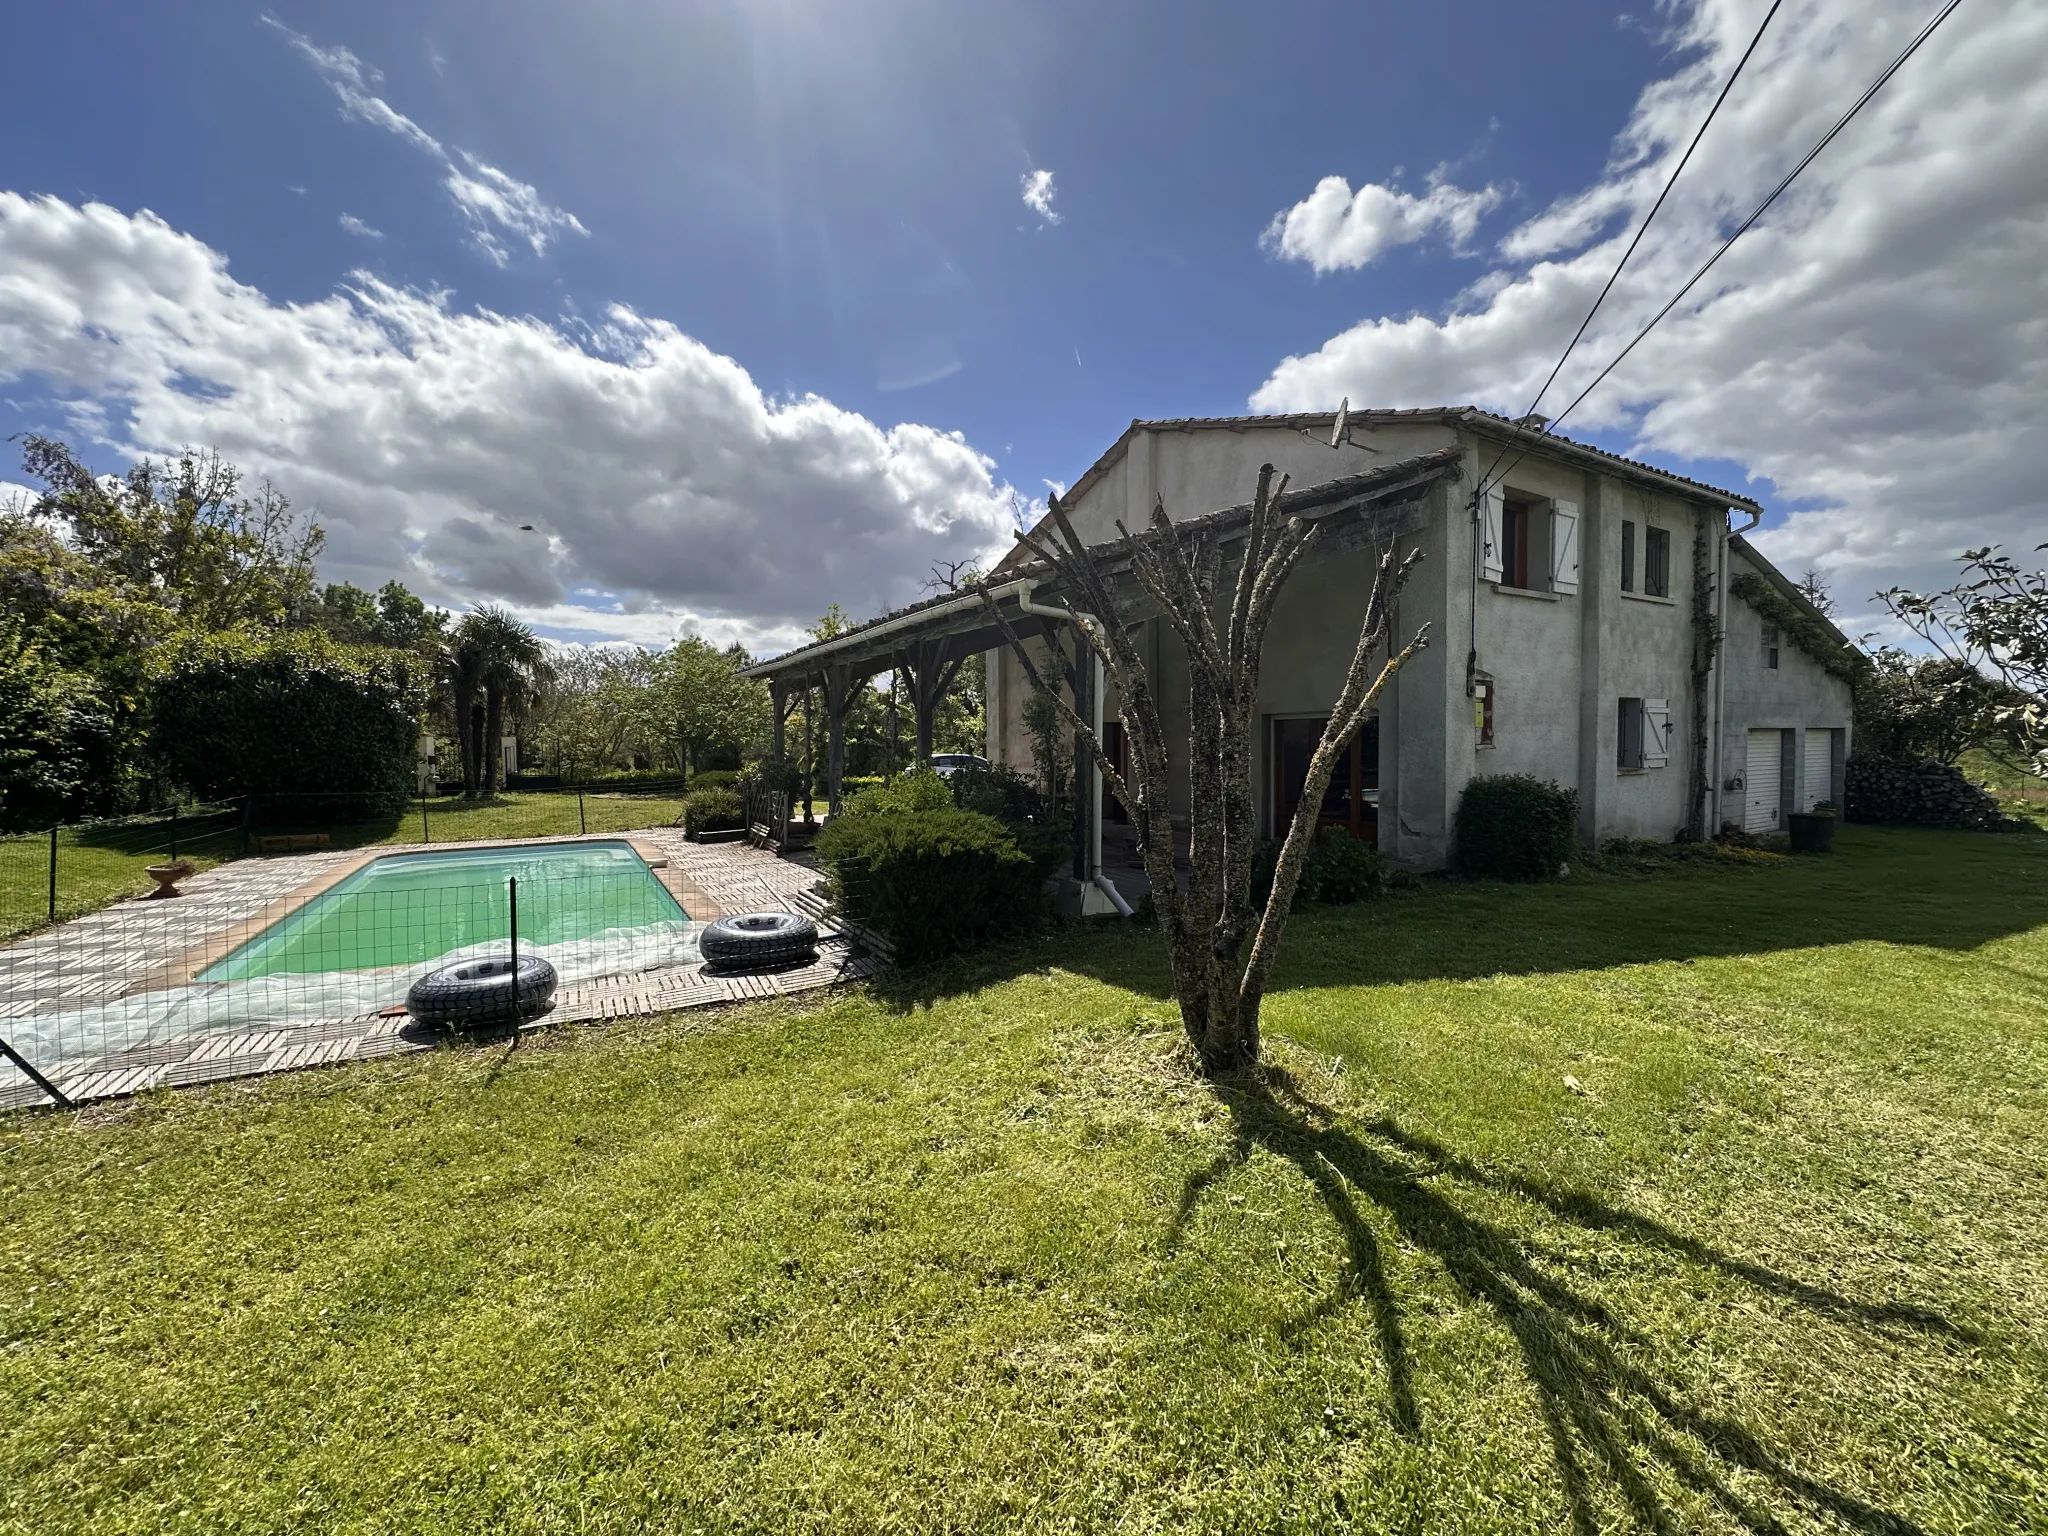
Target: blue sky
{"type": "Point", "coordinates": [831, 197]}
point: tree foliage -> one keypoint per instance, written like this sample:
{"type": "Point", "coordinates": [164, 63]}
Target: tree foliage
{"type": "Point", "coordinates": [702, 710]}
{"type": "Point", "coordinates": [1993, 622]}
{"type": "Point", "coordinates": [57, 737]}
{"type": "Point", "coordinates": [181, 536]}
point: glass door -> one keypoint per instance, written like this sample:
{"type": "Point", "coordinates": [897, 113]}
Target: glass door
{"type": "Point", "coordinates": [1351, 801]}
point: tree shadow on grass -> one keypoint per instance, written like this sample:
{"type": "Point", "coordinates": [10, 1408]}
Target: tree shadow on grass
{"type": "Point", "coordinates": [1609, 1416]}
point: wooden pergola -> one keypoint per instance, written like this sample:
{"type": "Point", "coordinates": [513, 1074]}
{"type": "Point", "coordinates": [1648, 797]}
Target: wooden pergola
{"type": "Point", "coordinates": [926, 643]}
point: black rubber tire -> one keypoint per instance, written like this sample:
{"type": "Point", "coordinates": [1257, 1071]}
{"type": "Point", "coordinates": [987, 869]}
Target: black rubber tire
{"type": "Point", "coordinates": [477, 993]}
{"type": "Point", "coordinates": [757, 940]}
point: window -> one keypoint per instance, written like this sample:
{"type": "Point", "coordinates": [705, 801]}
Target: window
{"type": "Point", "coordinates": [1517, 523]}
{"type": "Point", "coordinates": [1628, 735]}
{"type": "Point", "coordinates": [1771, 647]}
{"type": "Point", "coordinates": [1482, 710]}
{"type": "Point", "coordinates": [1657, 562]}
{"type": "Point", "coordinates": [1628, 556]}
{"type": "Point", "coordinates": [1351, 801]}
{"type": "Point", "coordinates": [1642, 734]}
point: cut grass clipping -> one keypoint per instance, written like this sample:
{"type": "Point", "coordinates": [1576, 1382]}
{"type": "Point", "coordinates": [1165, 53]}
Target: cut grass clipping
{"type": "Point", "coordinates": [1702, 1198]}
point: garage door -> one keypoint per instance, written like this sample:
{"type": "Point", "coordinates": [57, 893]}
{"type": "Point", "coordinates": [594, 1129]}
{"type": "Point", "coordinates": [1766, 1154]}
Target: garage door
{"type": "Point", "coordinates": [1817, 772]}
{"type": "Point", "coordinates": [1760, 776]}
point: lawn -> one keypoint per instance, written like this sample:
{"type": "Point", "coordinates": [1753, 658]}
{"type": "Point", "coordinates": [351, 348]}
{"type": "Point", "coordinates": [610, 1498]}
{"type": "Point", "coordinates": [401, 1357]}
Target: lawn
{"type": "Point", "coordinates": [104, 863]}
{"type": "Point", "coordinates": [1700, 1197]}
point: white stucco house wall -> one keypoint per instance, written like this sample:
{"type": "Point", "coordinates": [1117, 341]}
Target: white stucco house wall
{"type": "Point", "coordinates": [1569, 603]}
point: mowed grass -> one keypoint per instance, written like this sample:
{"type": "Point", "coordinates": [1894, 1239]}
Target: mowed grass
{"type": "Point", "coordinates": [1710, 1199]}
{"type": "Point", "coordinates": [101, 864]}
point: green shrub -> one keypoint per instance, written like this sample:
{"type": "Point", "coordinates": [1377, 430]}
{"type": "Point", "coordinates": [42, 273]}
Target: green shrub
{"type": "Point", "coordinates": [919, 790]}
{"type": "Point", "coordinates": [248, 713]}
{"type": "Point", "coordinates": [997, 791]}
{"type": "Point", "coordinates": [715, 778]}
{"type": "Point", "coordinates": [776, 774]}
{"type": "Point", "coordinates": [1340, 869]}
{"type": "Point", "coordinates": [1515, 827]}
{"type": "Point", "coordinates": [932, 882]}
{"type": "Point", "coordinates": [712, 810]}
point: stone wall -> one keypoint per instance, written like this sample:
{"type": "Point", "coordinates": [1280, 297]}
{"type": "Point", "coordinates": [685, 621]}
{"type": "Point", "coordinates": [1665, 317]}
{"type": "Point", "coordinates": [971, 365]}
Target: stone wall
{"type": "Point", "coordinates": [1920, 791]}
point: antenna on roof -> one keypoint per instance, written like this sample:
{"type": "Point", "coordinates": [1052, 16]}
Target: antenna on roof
{"type": "Point", "coordinates": [1337, 432]}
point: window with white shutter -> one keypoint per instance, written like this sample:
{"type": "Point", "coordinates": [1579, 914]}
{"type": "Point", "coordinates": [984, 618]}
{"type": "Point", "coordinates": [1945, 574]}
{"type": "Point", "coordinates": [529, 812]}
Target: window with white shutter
{"type": "Point", "coordinates": [1564, 547]}
{"type": "Point", "coordinates": [1656, 733]}
{"type": "Point", "coordinates": [1492, 506]}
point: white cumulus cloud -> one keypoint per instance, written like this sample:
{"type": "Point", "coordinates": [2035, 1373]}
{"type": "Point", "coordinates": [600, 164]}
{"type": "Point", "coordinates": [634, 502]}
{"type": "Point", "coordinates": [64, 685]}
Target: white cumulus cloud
{"type": "Point", "coordinates": [1038, 194]}
{"type": "Point", "coordinates": [1334, 228]}
{"type": "Point", "coordinates": [492, 202]}
{"type": "Point", "coordinates": [666, 489]}
{"type": "Point", "coordinates": [352, 225]}
{"type": "Point", "coordinates": [1876, 348]}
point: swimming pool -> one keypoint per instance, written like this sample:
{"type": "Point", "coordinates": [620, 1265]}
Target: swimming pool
{"type": "Point", "coordinates": [407, 909]}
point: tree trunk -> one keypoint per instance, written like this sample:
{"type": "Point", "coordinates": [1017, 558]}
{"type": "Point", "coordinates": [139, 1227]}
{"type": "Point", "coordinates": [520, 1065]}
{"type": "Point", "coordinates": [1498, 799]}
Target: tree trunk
{"type": "Point", "coordinates": [491, 749]}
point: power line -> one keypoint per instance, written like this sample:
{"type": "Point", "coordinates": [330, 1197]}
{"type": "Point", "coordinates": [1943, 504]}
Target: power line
{"type": "Point", "coordinates": [1670, 182]}
{"type": "Point", "coordinates": [1758, 212]}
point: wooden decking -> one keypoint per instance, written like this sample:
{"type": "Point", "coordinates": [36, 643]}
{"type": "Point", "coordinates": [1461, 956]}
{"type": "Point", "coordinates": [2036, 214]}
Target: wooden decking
{"type": "Point", "coordinates": [136, 946]}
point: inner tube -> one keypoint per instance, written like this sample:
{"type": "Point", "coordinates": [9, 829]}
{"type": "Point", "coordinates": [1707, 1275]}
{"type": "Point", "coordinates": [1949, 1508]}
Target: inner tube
{"type": "Point", "coordinates": [479, 992]}
{"type": "Point", "coordinates": [755, 940]}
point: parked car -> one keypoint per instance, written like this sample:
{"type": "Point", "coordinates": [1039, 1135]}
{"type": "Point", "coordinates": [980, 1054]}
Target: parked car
{"type": "Point", "coordinates": [946, 764]}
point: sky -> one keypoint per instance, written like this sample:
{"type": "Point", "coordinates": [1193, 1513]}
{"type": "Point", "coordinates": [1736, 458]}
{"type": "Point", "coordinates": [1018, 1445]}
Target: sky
{"type": "Point", "coordinates": [645, 319]}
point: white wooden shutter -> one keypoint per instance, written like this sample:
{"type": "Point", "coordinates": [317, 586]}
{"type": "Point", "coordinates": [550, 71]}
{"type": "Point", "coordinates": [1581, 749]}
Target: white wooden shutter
{"type": "Point", "coordinates": [1564, 547]}
{"type": "Point", "coordinates": [1656, 733]}
{"type": "Point", "coordinates": [1493, 509]}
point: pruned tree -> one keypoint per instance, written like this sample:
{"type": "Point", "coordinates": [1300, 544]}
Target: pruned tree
{"type": "Point", "coordinates": [1221, 946]}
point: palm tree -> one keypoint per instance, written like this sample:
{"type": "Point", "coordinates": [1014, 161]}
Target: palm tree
{"type": "Point", "coordinates": [491, 668]}
{"type": "Point", "coordinates": [461, 667]}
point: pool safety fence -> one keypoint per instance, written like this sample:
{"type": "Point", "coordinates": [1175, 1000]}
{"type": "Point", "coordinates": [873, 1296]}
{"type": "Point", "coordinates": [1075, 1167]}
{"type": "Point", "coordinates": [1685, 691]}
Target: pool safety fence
{"type": "Point", "coordinates": [58, 872]}
{"type": "Point", "coordinates": [153, 982]}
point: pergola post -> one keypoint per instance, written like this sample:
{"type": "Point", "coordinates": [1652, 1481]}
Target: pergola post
{"type": "Point", "coordinates": [931, 676]}
{"type": "Point", "coordinates": [839, 682]}
{"type": "Point", "coordinates": [780, 700]}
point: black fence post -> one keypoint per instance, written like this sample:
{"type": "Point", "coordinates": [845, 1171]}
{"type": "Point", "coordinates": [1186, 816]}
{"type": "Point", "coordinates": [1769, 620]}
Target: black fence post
{"type": "Point", "coordinates": [512, 901]}
{"type": "Point", "coordinates": [56, 1094]}
{"type": "Point", "coordinates": [248, 805]}
{"type": "Point", "coordinates": [174, 834]}
{"type": "Point", "coordinates": [426, 831]}
{"type": "Point", "coordinates": [581, 824]}
{"type": "Point", "coordinates": [53, 874]}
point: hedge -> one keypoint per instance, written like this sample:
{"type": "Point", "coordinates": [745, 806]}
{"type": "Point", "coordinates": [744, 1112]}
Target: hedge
{"type": "Point", "coordinates": [931, 881]}
{"type": "Point", "coordinates": [716, 809]}
{"type": "Point", "coordinates": [1515, 827]}
{"type": "Point", "coordinates": [289, 713]}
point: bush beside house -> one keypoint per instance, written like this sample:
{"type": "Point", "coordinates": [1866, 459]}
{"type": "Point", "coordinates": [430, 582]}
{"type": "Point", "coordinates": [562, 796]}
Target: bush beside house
{"type": "Point", "coordinates": [1516, 827]}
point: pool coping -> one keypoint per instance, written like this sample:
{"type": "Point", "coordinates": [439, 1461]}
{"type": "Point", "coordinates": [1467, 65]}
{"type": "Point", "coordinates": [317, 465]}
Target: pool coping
{"type": "Point", "coordinates": [696, 902]}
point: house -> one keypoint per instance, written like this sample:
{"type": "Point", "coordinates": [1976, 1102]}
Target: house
{"type": "Point", "coordinates": [1572, 598]}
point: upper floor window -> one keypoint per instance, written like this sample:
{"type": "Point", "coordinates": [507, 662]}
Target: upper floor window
{"type": "Point", "coordinates": [1656, 562]}
{"type": "Point", "coordinates": [1531, 545]}
{"type": "Point", "coordinates": [1517, 533]}
{"type": "Point", "coordinates": [1628, 556]}
{"type": "Point", "coordinates": [1771, 647]}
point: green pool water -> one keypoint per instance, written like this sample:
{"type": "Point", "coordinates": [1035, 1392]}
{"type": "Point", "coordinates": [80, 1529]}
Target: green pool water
{"type": "Point", "coordinates": [404, 909]}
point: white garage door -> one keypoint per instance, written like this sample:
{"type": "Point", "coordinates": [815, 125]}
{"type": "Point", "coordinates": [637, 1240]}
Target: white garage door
{"type": "Point", "coordinates": [1760, 776]}
{"type": "Point", "coordinates": [1817, 776]}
